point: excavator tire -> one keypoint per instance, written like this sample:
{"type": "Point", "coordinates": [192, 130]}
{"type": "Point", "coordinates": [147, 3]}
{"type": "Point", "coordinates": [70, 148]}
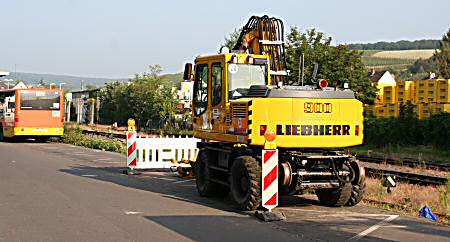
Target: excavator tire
{"type": "Point", "coordinates": [245, 183]}
{"type": "Point", "coordinates": [358, 191]}
{"type": "Point", "coordinates": [203, 175]}
{"type": "Point", "coordinates": [335, 197]}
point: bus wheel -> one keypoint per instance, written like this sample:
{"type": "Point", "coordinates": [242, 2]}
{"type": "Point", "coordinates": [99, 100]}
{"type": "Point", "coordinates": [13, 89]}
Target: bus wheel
{"type": "Point", "coordinates": [41, 139]}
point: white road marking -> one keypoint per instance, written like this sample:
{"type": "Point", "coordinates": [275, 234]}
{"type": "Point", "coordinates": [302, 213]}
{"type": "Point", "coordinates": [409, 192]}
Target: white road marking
{"type": "Point", "coordinates": [395, 226]}
{"type": "Point", "coordinates": [163, 178]}
{"type": "Point", "coordinates": [103, 159]}
{"type": "Point", "coordinates": [82, 154]}
{"type": "Point", "coordinates": [13, 161]}
{"type": "Point", "coordinates": [183, 181]}
{"type": "Point", "coordinates": [338, 213]}
{"type": "Point", "coordinates": [373, 228]}
{"type": "Point", "coordinates": [89, 175]}
{"type": "Point", "coordinates": [132, 212]}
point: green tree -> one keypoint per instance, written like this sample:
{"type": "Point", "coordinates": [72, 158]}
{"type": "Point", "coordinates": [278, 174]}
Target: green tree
{"type": "Point", "coordinates": [232, 39]}
{"type": "Point", "coordinates": [423, 66]}
{"type": "Point", "coordinates": [43, 83]}
{"type": "Point", "coordinates": [442, 56]}
{"type": "Point", "coordinates": [147, 98]}
{"type": "Point", "coordinates": [91, 87]}
{"type": "Point", "coordinates": [338, 64]}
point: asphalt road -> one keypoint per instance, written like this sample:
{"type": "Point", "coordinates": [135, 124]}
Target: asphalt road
{"type": "Point", "coordinates": [57, 192]}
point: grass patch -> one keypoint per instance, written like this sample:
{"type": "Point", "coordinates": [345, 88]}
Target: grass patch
{"type": "Point", "coordinates": [409, 198]}
{"type": "Point", "coordinates": [75, 136]}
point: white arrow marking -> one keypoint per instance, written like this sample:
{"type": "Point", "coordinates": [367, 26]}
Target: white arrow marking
{"type": "Point", "coordinates": [89, 175]}
{"type": "Point", "coordinates": [132, 212]}
{"type": "Point", "coordinates": [373, 228]}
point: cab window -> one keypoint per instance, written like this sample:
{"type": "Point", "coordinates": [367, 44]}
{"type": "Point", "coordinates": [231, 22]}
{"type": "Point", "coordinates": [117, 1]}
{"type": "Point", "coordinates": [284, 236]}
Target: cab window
{"type": "Point", "coordinates": [216, 82]}
{"type": "Point", "coordinates": [201, 89]}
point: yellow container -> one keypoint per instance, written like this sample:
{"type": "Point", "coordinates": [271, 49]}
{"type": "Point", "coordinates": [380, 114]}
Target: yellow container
{"type": "Point", "coordinates": [378, 100]}
{"type": "Point", "coordinates": [441, 107]}
{"type": "Point", "coordinates": [431, 90]}
{"type": "Point", "coordinates": [392, 110]}
{"type": "Point", "coordinates": [423, 110]}
{"type": "Point", "coordinates": [443, 91]}
{"type": "Point", "coordinates": [420, 92]}
{"type": "Point", "coordinates": [389, 94]}
{"type": "Point", "coordinates": [380, 111]}
{"type": "Point", "coordinates": [404, 91]}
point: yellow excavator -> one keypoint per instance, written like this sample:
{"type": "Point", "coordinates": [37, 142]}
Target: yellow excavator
{"type": "Point", "coordinates": [241, 101]}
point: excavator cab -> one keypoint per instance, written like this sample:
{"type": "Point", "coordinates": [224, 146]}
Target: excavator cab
{"type": "Point", "coordinates": [220, 79]}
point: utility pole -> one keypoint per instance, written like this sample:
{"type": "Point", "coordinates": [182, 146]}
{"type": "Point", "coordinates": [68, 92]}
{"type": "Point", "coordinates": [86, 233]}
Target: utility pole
{"type": "Point", "coordinates": [303, 68]}
{"type": "Point", "coordinates": [8, 81]}
{"type": "Point", "coordinates": [97, 103]}
{"type": "Point", "coordinates": [300, 69]}
{"type": "Point", "coordinates": [68, 111]}
{"type": "Point", "coordinates": [91, 111]}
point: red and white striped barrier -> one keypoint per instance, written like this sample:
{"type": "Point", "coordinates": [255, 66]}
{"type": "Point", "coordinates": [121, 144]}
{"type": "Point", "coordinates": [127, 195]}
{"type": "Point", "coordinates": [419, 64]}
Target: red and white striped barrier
{"type": "Point", "coordinates": [159, 152]}
{"type": "Point", "coordinates": [270, 179]}
{"type": "Point", "coordinates": [131, 150]}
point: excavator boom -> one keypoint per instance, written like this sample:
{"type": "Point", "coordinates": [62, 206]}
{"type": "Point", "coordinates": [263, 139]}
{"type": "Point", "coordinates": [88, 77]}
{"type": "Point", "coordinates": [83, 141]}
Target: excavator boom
{"type": "Point", "coordinates": [265, 35]}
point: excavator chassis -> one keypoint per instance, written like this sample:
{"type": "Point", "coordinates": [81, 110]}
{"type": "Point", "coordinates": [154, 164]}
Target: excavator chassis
{"type": "Point", "coordinates": [332, 174]}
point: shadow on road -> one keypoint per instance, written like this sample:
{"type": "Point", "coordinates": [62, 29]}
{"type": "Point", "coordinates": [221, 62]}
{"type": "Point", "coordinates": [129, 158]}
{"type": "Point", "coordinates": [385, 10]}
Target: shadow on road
{"type": "Point", "coordinates": [199, 228]}
{"type": "Point", "coordinates": [170, 186]}
{"type": "Point", "coordinates": [224, 228]}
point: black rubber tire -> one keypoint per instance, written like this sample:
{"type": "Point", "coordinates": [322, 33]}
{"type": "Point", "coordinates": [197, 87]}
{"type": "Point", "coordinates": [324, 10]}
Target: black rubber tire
{"type": "Point", "coordinates": [41, 139]}
{"type": "Point", "coordinates": [358, 191]}
{"type": "Point", "coordinates": [335, 197]}
{"type": "Point", "coordinates": [245, 184]}
{"type": "Point", "coordinates": [205, 187]}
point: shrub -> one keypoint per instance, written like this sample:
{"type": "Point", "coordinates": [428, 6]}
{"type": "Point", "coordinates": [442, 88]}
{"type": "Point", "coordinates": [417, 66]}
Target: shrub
{"type": "Point", "coordinates": [76, 137]}
{"type": "Point", "coordinates": [408, 130]}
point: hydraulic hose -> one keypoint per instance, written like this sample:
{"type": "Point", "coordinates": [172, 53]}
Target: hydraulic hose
{"type": "Point", "coordinates": [336, 172]}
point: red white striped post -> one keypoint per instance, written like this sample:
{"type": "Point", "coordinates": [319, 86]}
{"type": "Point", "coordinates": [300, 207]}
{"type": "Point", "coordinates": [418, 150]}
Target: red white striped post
{"type": "Point", "coordinates": [270, 179]}
{"type": "Point", "coordinates": [132, 152]}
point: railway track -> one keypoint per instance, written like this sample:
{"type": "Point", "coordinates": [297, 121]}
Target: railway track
{"type": "Point", "coordinates": [371, 164]}
{"type": "Point", "coordinates": [121, 136]}
{"type": "Point", "coordinates": [413, 178]}
{"type": "Point", "coordinates": [407, 162]}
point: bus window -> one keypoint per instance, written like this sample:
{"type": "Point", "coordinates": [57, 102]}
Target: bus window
{"type": "Point", "coordinates": [39, 100]}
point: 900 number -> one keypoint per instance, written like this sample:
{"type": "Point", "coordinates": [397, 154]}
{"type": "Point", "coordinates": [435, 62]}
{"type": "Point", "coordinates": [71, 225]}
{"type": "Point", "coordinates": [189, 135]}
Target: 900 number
{"type": "Point", "coordinates": [317, 107]}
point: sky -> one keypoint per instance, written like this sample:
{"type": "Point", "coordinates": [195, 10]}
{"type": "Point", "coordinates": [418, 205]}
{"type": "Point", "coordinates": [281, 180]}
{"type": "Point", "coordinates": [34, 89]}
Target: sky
{"type": "Point", "coordinates": [116, 39]}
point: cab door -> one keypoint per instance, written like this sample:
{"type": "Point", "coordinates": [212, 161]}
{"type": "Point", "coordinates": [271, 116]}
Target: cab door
{"type": "Point", "coordinates": [218, 106]}
{"type": "Point", "coordinates": [200, 102]}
